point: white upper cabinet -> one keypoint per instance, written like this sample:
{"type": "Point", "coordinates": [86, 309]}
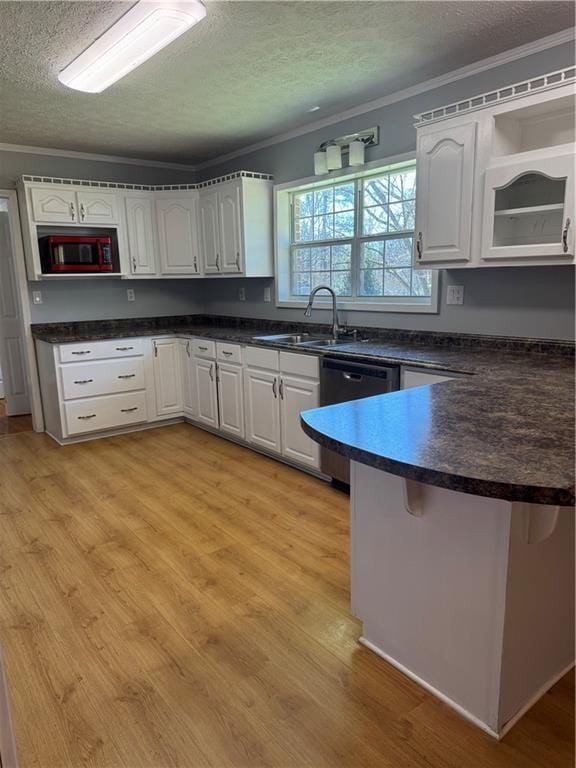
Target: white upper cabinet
{"type": "Point", "coordinates": [529, 210]}
{"type": "Point", "coordinates": [209, 231]}
{"type": "Point", "coordinates": [495, 178]}
{"type": "Point", "coordinates": [53, 205]}
{"type": "Point", "coordinates": [97, 207]}
{"type": "Point", "coordinates": [236, 228]}
{"type": "Point", "coordinates": [141, 230]}
{"type": "Point", "coordinates": [230, 215]}
{"type": "Point", "coordinates": [444, 194]}
{"type": "Point", "coordinates": [177, 219]}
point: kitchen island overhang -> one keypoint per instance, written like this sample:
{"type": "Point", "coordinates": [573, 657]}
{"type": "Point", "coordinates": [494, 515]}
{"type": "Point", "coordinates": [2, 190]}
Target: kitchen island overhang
{"type": "Point", "coordinates": [463, 579]}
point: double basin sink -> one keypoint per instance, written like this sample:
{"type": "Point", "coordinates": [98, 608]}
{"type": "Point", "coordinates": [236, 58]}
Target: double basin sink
{"type": "Point", "coordinates": [304, 340]}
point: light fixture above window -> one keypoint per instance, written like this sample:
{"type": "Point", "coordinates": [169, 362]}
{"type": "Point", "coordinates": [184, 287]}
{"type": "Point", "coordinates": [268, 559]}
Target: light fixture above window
{"type": "Point", "coordinates": [328, 156]}
{"type": "Point", "coordinates": [143, 31]}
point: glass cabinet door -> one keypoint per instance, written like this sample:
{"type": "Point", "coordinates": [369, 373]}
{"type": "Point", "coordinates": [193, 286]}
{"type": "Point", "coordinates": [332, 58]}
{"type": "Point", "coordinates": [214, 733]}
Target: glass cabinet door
{"type": "Point", "coordinates": [528, 211]}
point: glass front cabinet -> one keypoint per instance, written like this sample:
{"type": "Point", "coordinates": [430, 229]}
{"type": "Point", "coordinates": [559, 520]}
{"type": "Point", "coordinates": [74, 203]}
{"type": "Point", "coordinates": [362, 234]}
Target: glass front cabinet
{"type": "Point", "coordinates": [529, 210]}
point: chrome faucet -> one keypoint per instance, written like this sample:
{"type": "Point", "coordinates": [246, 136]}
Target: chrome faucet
{"type": "Point", "coordinates": [308, 310]}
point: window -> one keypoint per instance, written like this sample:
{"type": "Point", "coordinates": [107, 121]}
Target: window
{"type": "Point", "coordinates": [356, 235]}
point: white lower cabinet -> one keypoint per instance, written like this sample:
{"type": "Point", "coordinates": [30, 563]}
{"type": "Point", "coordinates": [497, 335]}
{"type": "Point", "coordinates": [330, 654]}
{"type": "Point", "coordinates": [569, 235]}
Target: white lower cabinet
{"type": "Point", "coordinates": [189, 400]}
{"type": "Point", "coordinates": [206, 391]}
{"type": "Point", "coordinates": [262, 408]}
{"type": "Point", "coordinates": [297, 395]}
{"type": "Point", "coordinates": [231, 398]}
{"type": "Point", "coordinates": [98, 413]}
{"type": "Point", "coordinates": [166, 363]}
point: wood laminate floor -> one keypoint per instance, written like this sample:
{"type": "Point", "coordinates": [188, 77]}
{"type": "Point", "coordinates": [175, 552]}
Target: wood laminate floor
{"type": "Point", "coordinates": [171, 599]}
{"type": "Point", "coordinates": [13, 425]}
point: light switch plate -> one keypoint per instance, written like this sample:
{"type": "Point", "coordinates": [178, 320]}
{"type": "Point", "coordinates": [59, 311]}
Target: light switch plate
{"type": "Point", "coordinates": [130, 294]}
{"type": "Point", "coordinates": [242, 294]}
{"type": "Point", "coordinates": [37, 297]}
{"type": "Point", "coordinates": [267, 294]}
{"type": "Point", "coordinates": [455, 294]}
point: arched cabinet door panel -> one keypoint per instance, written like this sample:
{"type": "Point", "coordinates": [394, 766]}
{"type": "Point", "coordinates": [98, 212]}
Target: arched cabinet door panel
{"type": "Point", "coordinates": [178, 236]}
{"type": "Point", "coordinates": [444, 193]}
{"type": "Point", "coordinates": [529, 210]}
{"type": "Point", "coordinates": [54, 206]}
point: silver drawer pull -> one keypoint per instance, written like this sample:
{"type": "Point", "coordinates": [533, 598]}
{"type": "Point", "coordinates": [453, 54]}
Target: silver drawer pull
{"type": "Point", "coordinates": [128, 410]}
{"type": "Point", "coordinates": [84, 381]}
{"type": "Point", "coordinates": [127, 376]}
{"type": "Point", "coordinates": [228, 354]}
{"type": "Point", "coordinates": [203, 349]}
{"type": "Point", "coordinates": [123, 349]}
{"type": "Point", "coordinates": [83, 352]}
{"type": "Point", "coordinates": [90, 416]}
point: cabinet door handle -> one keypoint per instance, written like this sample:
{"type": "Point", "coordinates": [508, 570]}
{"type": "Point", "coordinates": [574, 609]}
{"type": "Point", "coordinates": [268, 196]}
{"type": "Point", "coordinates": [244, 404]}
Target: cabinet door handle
{"type": "Point", "coordinates": [237, 261]}
{"type": "Point", "coordinates": [227, 354]}
{"type": "Point", "coordinates": [83, 352]}
{"type": "Point", "coordinates": [419, 245]}
{"type": "Point", "coordinates": [134, 268]}
{"type": "Point", "coordinates": [274, 388]}
{"type": "Point", "coordinates": [123, 349]}
{"type": "Point", "coordinates": [218, 261]}
{"type": "Point", "coordinates": [565, 236]}
{"type": "Point", "coordinates": [129, 410]}
{"type": "Point", "coordinates": [84, 381]}
{"type": "Point", "coordinates": [188, 348]}
{"type": "Point", "coordinates": [127, 376]}
{"type": "Point", "coordinates": [155, 350]}
{"type": "Point", "coordinates": [82, 211]}
{"type": "Point", "coordinates": [73, 211]}
{"type": "Point", "coordinates": [90, 416]}
{"type": "Point", "coordinates": [281, 388]}
{"type": "Point", "coordinates": [211, 372]}
{"type": "Point", "coordinates": [203, 349]}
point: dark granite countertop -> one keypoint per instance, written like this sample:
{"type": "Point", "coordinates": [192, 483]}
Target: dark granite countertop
{"type": "Point", "coordinates": [506, 431]}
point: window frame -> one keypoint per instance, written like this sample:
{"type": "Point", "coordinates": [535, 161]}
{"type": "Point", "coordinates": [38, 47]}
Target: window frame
{"type": "Point", "coordinates": [283, 232]}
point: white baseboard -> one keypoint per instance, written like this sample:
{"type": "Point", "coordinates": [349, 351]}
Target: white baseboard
{"type": "Point", "coordinates": [532, 700]}
{"type": "Point", "coordinates": [460, 709]}
{"type": "Point", "coordinates": [430, 688]}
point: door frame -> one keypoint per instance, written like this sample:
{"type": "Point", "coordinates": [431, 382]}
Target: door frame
{"type": "Point", "coordinates": [24, 301]}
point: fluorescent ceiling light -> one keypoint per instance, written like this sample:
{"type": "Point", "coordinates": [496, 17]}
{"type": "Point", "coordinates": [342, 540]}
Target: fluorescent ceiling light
{"type": "Point", "coordinates": [139, 34]}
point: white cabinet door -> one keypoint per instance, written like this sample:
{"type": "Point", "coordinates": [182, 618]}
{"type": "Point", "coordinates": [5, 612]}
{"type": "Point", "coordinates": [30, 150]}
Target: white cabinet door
{"type": "Point", "coordinates": [298, 395]}
{"type": "Point", "coordinates": [206, 393]}
{"type": "Point", "coordinates": [188, 383]}
{"type": "Point", "coordinates": [209, 232]}
{"type": "Point", "coordinates": [177, 235]}
{"type": "Point", "coordinates": [141, 235]}
{"type": "Point", "coordinates": [167, 377]}
{"type": "Point", "coordinates": [230, 216]}
{"type": "Point", "coordinates": [54, 206]}
{"type": "Point", "coordinates": [262, 409]}
{"type": "Point", "coordinates": [444, 194]}
{"type": "Point", "coordinates": [231, 398]}
{"type": "Point", "coordinates": [529, 210]}
{"type": "Point", "coordinates": [97, 207]}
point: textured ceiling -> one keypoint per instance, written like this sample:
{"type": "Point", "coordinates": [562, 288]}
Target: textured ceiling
{"type": "Point", "coordinates": [250, 70]}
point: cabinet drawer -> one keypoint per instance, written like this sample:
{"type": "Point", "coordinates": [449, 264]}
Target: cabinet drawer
{"type": "Point", "coordinates": [95, 414]}
{"type": "Point", "coordinates": [104, 377]}
{"type": "Point", "coordinates": [229, 353]}
{"type": "Point", "coordinates": [260, 357]}
{"type": "Point", "coordinates": [204, 348]}
{"type": "Point", "coordinates": [299, 365]}
{"type": "Point", "coordinates": [95, 350]}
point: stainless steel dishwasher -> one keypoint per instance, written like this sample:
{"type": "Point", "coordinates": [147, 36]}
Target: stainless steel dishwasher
{"type": "Point", "coordinates": [342, 381]}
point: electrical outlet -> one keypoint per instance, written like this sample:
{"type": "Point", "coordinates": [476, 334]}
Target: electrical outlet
{"type": "Point", "coordinates": [455, 294]}
{"type": "Point", "coordinates": [37, 297]}
{"type": "Point", "coordinates": [267, 294]}
{"type": "Point", "coordinates": [130, 294]}
{"type": "Point", "coordinates": [242, 294]}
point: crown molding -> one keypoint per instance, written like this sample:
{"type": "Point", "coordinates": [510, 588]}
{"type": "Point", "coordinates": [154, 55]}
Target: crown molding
{"type": "Point", "coordinates": [73, 154]}
{"type": "Point", "coordinates": [499, 59]}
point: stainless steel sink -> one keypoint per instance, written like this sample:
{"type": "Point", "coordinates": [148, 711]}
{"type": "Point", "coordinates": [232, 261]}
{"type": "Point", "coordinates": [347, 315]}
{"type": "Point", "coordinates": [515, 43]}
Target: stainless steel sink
{"type": "Point", "coordinates": [323, 343]}
{"type": "Point", "coordinates": [289, 338]}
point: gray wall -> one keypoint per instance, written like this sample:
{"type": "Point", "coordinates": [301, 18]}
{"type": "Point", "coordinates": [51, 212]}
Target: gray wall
{"type": "Point", "coordinates": [532, 301]}
{"type": "Point", "coordinates": [101, 298]}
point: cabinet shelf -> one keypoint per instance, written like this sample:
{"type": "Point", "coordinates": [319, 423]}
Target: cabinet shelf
{"type": "Point", "coordinates": [529, 210]}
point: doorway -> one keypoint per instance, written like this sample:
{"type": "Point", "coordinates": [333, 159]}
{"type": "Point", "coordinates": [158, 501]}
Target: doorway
{"type": "Point", "coordinates": [15, 400]}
